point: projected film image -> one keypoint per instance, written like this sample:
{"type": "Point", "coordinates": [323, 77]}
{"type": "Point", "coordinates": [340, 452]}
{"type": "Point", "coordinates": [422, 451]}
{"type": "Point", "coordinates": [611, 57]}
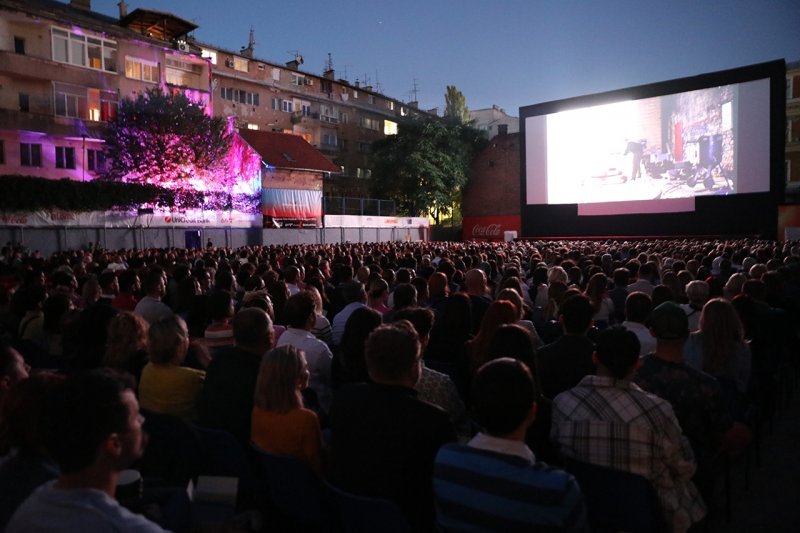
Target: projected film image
{"type": "Point", "coordinates": [674, 146]}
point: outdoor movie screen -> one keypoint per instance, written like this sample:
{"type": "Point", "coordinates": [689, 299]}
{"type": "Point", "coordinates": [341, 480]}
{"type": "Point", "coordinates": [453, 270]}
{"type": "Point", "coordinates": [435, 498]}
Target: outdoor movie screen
{"type": "Point", "coordinates": [649, 155]}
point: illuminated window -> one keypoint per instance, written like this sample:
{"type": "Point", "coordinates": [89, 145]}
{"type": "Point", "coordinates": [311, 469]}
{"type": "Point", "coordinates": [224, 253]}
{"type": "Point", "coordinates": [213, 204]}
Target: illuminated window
{"type": "Point", "coordinates": [95, 161]}
{"type": "Point", "coordinates": [102, 105]}
{"type": "Point", "coordinates": [240, 64]}
{"type": "Point", "coordinates": [252, 126]}
{"type": "Point", "coordinates": [390, 105]}
{"type": "Point", "coordinates": [389, 127]}
{"type": "Point", "coordinates": [403, 111]}
{"type": "Point", "coordinates": [209, 54]}
{"type": "Point", "coordinates": [30, 155]}
{"type": "Point", "coordinates": [140, 69]}
{"type": "Point", "coordinates": [81, 50]}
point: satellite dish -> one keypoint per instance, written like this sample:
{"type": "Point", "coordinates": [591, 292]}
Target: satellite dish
{"type": "Point", "coordinates": [300, 59]}
{"type": "Point", "coordinates": [214, 83]}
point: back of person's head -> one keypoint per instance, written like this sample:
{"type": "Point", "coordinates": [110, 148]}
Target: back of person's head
{"type": "Point", "coordinates": [576, 314]}
{"type": "Point", "coordinates": [127, 335]}
{"type": "Point", "coordinates": [405, 295]}
{"type": "Point", "coordinates": [637, 307]}
{"type": "Point", "coordinates": [22, 411]}
{"type": "Point", "coordinates": [299, 310]}
{"type": "Point", "coordinates": [392, 351]}
{"type": "Point", "coordinates": [291, 274]}
{"type": "Point", "coordinates": [437, 284]}
{"type": "Point", "coordinates": [661, 294]}
{"type": "Point", "coordinates": [224, 280]}
{"type": "Point", "coordinates": [668, 322]}
{"type": "Point", "coordinates": [353, 291]}
{"type": "Point", "coordinates": [220, 305]}
{"type": "Point", "coordinates": [475, 280]}
{"type": "Point", "coordinates": [127, 281]}
{"type": "Point", "coordinates": [513, 296]}
{"type": "Point", "coordinates": [81, 413]}
{"type": "Point", "coordinates": [503, 394]}
{"type": "Point", "coordinates": [54, 309]}
{"type": "Point", "coordinates": [108, 280]}
{"type": "Point", "coordinates": [252, 327]}
{"type": "Point", "coordinates": [378, 288]}
{"type": "Point", "coordinates": [167, 340]}
{"type": "Point", "coordinates": [456, 316]}
{"type": "Point", "coordinates": [621, 277]}
{"type": "Point", "coordinates": [282, 375]}
{"type": "Point", "coordinates": [697, 292]}
{"type": "Point", "coordinates": [12, 366]}
{"type": "Point", "coordinates": [152, 283]}
{"type": "Point", "coordinates": [617, 349]}
{"type": "Point", "coordinates": [419, 317]}
{"type": "Point", "coordinates": [511, 340]}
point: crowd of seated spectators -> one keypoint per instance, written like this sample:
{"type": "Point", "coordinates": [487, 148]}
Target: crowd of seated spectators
{"type": "Point", "coordinates": [377, 364]}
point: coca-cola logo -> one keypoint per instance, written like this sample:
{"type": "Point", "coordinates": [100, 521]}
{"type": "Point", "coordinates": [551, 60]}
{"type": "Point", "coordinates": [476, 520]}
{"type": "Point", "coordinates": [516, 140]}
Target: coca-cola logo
{"type": "Point", "coordinates": [486, 230]}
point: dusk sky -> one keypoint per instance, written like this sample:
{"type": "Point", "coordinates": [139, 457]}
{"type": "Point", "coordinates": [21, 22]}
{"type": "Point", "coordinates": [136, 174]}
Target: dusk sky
{"type": "Point", "coordinates": [511, 53]}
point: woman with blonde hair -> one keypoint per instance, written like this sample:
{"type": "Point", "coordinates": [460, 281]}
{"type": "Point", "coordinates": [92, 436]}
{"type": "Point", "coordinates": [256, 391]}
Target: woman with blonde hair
{"type": "Point", "coordinates": [166, 386]}
{"type": "Point", "coordinates": [718, 348]}
{"type": "Point", "coordinates": [280, 423]}
{"type": "Point", "coordinates": [597, 292]}
{"type": "Point", "coordinates": [126, 347]}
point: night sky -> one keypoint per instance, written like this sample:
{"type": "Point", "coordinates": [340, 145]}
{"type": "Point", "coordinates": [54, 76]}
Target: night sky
{"type": "Point", "coordinates": [510, 53]}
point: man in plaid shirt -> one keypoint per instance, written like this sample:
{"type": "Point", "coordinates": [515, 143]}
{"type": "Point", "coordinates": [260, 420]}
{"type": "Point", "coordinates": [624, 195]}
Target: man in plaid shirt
{"type": "Point", "coordinates": [609, 421]}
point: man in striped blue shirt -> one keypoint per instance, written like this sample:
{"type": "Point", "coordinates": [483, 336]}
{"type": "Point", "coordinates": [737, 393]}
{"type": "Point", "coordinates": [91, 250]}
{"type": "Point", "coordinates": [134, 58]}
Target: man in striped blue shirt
{"type": "Point", "coordinates": [494, 482]}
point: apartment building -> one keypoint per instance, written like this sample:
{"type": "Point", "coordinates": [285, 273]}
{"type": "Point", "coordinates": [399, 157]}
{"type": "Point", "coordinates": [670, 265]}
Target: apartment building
{"type": "Point", "coordinates": [494, 121]}
{"type": "Point", "coordinates": [340, 119]}
{"type": "Point", "coordinates": [63, 71]}
{"type": "Point", "coordinates": [792, 156]}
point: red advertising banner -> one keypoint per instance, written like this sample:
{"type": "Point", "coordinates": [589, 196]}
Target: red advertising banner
{"type": "Point", "coordinates": [490, 228]}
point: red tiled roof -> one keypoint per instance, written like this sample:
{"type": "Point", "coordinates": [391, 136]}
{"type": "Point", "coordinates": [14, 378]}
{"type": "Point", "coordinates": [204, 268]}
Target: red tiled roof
{"type": "Point", "coordinates": [283, 150]}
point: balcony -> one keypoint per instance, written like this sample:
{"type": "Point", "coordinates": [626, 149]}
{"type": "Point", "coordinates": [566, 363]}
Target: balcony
{"type": "Point", "coordinates": [36, 68]}
{"type": "Point", "coordinates": [14, 120]}
{"type": "Point", "coordinates": [329, 120]}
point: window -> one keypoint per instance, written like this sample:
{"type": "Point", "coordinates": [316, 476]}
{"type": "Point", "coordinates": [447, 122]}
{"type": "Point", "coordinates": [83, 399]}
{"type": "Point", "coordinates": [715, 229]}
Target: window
{"type": "Point", "coordinates": [84, 51]}
{"type": "Point", "coordinates": [298, 79]}
{"type": "Point", "coordinates": [306, 109]}
{"type": "Point", "coordinates": [370, 99]}
{"type": "Point", "coordinates": [103, 105]}
{"type": "Point", "coordinates": [364, 148]}
{"type": "Point", "coordinates": [403, 111]}
{"type": "Point", "coordinates": [276, 104]}
{"type": "Point", "coordinates": [19, 45]}
{"type": "Point", "coordinates": [502, 129]}
{"type": "Point", "coordinates": [389, 127]}
{"type": "Point", "coordinates": [329, 139]}
{"type": "Point", "coordinates": [240, 64]}
{"type": "Point", "coordinates": [239, 96]}
{"type": "Point", "coordinates": [140, 69]}
{"type": "Point", "coordinates": [355, 94]}
{"type": "Point", "coordinates": [371, 123]}
{"type": "Point", "coordinates": [325, 86]}
{"type": "Point", "coordinates": [30, 155]}
{"type": "Point", "coordinates": [390, 105]}
{"type": "Point", "coordinates": [209, 54]}
{"type": "Point", "coordinates": [287, 106]}
{"type": "Point", "coordinates": [65, 157]}
{"type": "Point", "coordinates": [276, 74]}
{"type": "Point", "coordinates": [70, 100]}
{"type": "Point", "coordinates": [95, 161]}
{"type": "Point", "coordinates": [342, 117]}
{"type": "Point", "coordinates": [252, 126]}
{"type": "Point", "coordinates": [24, 102]}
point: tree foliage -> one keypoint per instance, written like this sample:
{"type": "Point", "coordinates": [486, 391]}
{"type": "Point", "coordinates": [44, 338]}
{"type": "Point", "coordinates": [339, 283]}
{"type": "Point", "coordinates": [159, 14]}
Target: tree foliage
{"type": "Point", "coordinates": [455, 108]}
{"type": "Point", "coordinates": [425, 165]}
{"type": "Point", "coordinates": [165, 139]}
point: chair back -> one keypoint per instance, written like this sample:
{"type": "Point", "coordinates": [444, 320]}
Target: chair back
{"type": "Point", "coordinates": [617, 500]}
{"type": "Point", "coordinates": [362, 514]}
{"type": "Point", "coordinates": [294, 491]}
{"type": "Point", "coordinates": [174, 452]}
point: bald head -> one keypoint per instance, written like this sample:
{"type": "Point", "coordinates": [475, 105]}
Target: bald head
{"type": "Point", "coordinates": [475, 281]}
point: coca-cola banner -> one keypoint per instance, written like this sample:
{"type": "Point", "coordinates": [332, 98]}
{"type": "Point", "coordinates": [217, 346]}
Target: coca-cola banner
{"type": "Point", "coordinates": [490, 228]}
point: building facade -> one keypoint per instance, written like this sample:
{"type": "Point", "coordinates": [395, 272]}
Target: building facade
{"type": "Point", "coordinates": [64, 70]}
{"type": "Point", "coordinates": [792, 153]}
{"type": "Point", "coordinates": [340, 119]}
{"type": "Point", "coordinates": [494, 121]}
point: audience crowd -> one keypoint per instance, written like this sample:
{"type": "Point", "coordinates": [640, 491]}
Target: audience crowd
{"type": "Point", "coordinates": [476, 386]}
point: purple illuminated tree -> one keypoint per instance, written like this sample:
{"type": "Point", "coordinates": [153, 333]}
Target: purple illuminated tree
{"type": "Point", "coordinates": [167, 140]}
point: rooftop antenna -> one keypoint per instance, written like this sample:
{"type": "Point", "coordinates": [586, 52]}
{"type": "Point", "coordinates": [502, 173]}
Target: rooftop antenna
{"type": "Point", "coordinates": [414, 90]}
{"type": "Point", "coordinates": [378, 88]}
{"type": "Point", "coordinates": [329, 62]}
{"type": "Point", "coordinates": [248, 50]}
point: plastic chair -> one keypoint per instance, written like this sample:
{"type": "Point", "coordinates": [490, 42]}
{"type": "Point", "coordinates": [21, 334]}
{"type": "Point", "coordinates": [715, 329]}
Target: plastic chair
{"type": "Point", "coordinates": [617, 500]}
{"type": "Point", "coordinates": [295, 492]}
{"type": "Point", "coordinates": [361, 514]}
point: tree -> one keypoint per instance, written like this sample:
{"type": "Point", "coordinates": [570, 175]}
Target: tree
{"type": "Point", "coordinates": [425, 165]}
{"type": "Point", "coordinates": [166, 140]}
{"type": "Point", "coordinates": [455, 108]}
